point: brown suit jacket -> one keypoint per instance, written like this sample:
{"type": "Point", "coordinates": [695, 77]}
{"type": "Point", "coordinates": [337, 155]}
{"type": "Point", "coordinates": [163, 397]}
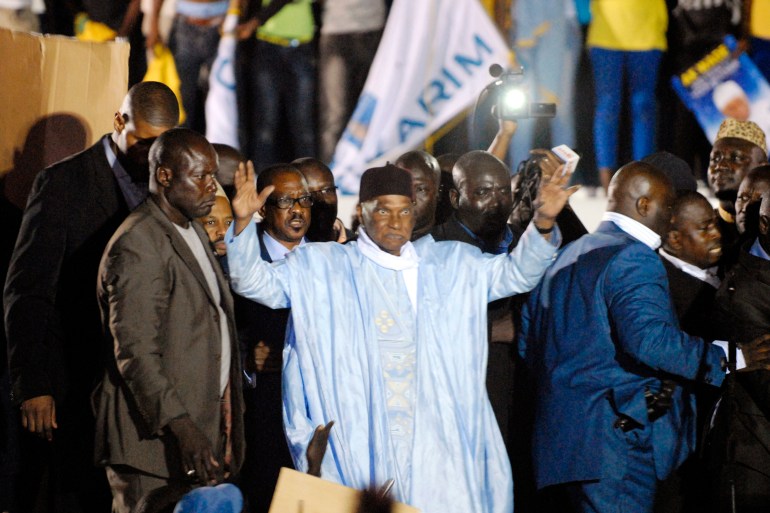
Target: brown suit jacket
{"type": "Point", "coordinates": [162, 327]}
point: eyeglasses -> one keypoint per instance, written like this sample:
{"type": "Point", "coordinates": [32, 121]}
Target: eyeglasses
{"type": "Point", "coordinates": [328, 191]}
{"type": "Point", "coordinates": [287, 202]}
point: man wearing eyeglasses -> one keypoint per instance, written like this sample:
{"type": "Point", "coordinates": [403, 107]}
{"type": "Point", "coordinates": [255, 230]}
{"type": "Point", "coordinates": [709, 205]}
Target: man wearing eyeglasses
{"type": "Point", "coordinates": [261, 331]}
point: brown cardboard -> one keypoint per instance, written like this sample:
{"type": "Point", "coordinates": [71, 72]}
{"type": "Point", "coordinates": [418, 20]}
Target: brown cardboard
{"type": "Point", "coordinates": [57, 96]}
{"type": "Point", "coordinates": [302, 493]}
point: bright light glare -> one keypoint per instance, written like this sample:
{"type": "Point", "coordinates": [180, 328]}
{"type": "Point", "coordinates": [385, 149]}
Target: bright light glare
{"type": "Point", "coordinates": [514, 99]}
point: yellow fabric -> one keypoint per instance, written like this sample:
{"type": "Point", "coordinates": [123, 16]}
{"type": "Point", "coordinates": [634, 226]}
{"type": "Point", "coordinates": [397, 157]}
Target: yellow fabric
{"type": "Point", "coordinates": [294, 21]}
{"type": "Point", "coordinates": [162, 68]}
{"type": "Point", "coordinates": [93, 31]}
{"type": "Point", "coordinates": [760, 19]}
{"type": "Point", "coordinates": [630, 25]}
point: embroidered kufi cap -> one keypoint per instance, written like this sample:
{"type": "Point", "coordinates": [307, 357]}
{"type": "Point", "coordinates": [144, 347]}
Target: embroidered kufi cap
{"type": "Point", "coordinates": [746, 130]}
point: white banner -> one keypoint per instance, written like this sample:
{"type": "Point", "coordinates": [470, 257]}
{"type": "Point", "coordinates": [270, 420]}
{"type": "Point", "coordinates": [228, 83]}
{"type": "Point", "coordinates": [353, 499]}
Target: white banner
{"type": "Point", "coordinates": [221, 102]}
{"type": "Point", "coordinates": [431, 64]}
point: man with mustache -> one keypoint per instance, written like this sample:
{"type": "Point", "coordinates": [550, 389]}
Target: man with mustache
{"type": "Point", "coordinates": [387, 338]}
{"type": "Point", "coordinates": [51, 314]}
{"type": "Point", "coordinates": [261, 331]}
{"type": "Point", "coordinates": [170, 408]}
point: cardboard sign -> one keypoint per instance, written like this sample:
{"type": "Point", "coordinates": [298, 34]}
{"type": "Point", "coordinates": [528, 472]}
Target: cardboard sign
{"type": "Point", "coordinates": [302, 493]}
{"type": "Point", "coordinates": [57, 97]}
{"type": "Point", "coordinates": [724, 83]}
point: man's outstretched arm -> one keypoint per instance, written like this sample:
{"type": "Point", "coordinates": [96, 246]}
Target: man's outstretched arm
{"type": "Point", "coordinates": [250, 276]}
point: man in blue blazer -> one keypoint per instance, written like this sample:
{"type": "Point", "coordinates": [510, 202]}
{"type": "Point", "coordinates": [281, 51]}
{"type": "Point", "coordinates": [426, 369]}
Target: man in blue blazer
{"type": "Point", "coordinates": [599, 335]}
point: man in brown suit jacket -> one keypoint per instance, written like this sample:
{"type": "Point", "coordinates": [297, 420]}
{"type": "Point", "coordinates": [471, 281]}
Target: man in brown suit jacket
{"type": "Point", "coordinates": [170, 407]}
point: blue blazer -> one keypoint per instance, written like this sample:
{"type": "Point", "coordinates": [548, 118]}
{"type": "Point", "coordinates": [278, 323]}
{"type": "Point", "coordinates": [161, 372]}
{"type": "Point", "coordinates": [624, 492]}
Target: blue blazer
{"type": "Point", "coordinates": [597, 332]}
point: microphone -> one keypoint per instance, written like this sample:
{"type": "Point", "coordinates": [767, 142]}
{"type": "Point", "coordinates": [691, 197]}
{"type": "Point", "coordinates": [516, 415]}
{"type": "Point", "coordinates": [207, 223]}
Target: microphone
{"type": "Point", "coordinates": [495, 70]}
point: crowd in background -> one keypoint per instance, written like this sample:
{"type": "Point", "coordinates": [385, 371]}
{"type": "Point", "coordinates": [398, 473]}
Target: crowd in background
{"type": "Point", "coordinates": [594, 380]}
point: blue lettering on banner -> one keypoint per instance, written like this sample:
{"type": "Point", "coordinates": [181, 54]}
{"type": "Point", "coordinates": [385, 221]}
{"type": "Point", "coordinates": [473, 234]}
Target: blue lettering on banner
{"type": "Point", "coordinates": [442, 87]}
{"type": "Point", "coordinates": [224, 74]}
{"type": "Point", "coordinates": [355, 132]}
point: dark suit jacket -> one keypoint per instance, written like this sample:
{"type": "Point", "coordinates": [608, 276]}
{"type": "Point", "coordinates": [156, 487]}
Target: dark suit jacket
{"type": "Point", "coordinates": [52, 318]}
{"type": "Point", "coordinates": [693, 301]}
{"type": "Point", "coordinates": [743, 419]}
{"type": "Point", "coordinates": [161, 319]}
{"type": "Point", "coordinates": [596, 333]}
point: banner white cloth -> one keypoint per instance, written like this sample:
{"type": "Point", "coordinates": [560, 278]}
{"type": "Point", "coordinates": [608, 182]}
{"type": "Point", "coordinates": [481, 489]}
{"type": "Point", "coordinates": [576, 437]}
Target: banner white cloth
{"type": "Point", "coordinates": [432, 63]}
{"type": "Point", "coordinates": [221, 102]}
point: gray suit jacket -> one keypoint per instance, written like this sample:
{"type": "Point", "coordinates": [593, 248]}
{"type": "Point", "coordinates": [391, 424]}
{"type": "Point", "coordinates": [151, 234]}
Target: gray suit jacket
{"type": "Point", "coordinates": [162, 328]}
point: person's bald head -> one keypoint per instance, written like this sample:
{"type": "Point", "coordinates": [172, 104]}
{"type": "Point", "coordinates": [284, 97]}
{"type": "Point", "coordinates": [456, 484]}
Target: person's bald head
{"type": "Point", "coordinates": [644, 193]}
{"type": "Point", "coordinates": [153, 102]}
{"type": "Point", "coordinates": [183, 167]}
{"type": "Point", "coordinates": [754, 184]}
{"type": "Point", "coordinates": [320, 182]}
{"type": "Point", "coordinates": [426, 177]}
{"type": "Point", "coordinates": [148, 110]}
{"type": "Point", "coordinates": [481, 195]}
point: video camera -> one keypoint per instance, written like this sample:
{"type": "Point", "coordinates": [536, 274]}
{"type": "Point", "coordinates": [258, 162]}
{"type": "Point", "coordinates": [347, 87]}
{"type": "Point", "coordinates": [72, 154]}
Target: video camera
{"type": "Point", "coordinates": [512, 102]}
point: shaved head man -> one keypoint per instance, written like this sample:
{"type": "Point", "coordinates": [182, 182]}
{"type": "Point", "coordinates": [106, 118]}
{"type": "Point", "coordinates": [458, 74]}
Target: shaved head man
{"type": "Point", "coordinates": [73, 209]}
{"type": "Point", "coordinates": [168, 318]}
{"type": "Point", "coordinates": [426, 177]}
{"type": "Point", "coordinates": [604, 305]}
{"type": "Point", "coordinates": [482, 201]}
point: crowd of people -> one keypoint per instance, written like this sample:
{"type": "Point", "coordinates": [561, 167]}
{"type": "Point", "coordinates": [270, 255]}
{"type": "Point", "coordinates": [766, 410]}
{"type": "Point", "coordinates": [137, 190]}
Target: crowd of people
{"type": "Point", "coordinates": [464, 343]}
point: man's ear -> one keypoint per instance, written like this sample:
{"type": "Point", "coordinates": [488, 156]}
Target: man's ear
{"type": "Point", "coordinates": [454, 198]}
{"type": "Point", "coordinates": [643, 206]}
{"type": "Point", "coordinates": [118, 122]}
{"type": "Point", "coordinates": [359, 214]}
{"type": "Point", "coordinates": [764, 224]}
{"type": "Point", "coordinates": [163, 176]}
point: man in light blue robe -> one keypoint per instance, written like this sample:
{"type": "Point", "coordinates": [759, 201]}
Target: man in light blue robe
{"type": "Point", "coordinates": [388, 339]}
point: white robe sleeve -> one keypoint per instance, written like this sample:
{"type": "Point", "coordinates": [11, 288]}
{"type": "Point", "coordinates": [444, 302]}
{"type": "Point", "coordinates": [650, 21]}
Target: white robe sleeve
{"type": "Point", "coordinates": [521, 270]}
{"type": "Point", "coordinates": [252, 277]}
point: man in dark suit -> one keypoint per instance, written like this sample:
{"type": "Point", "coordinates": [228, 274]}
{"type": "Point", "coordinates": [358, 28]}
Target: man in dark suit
{"type": "Point", "coordinates": [262, 330]}
{"type": "Point", "coordinates": [52, 319]}
{"type": "Point", "coordinates": [690, 252]}
{"type": "Point", "coordinates": [738, 445]}
{"type": "Point", "coordinates": [170, 406]}
{"type": "Point", "coordinates": [599, 334]}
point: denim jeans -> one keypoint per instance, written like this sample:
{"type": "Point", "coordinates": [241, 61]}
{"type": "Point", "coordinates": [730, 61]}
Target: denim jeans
{"type": "Point", "coordinates": [280, 81]}
{"type": "Point", "coordinates": [640, 70]}
{"type": "Point", "coordinates": [194, 48]}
